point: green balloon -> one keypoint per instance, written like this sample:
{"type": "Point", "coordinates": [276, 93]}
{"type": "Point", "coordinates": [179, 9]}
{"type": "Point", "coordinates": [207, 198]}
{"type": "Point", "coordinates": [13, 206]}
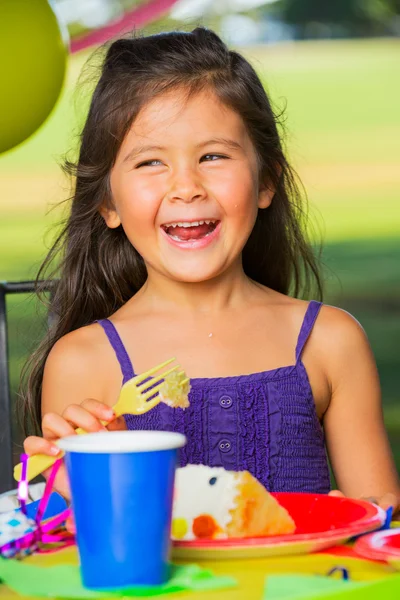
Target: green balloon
{"type": "Point", "coordinates": [33, 58]}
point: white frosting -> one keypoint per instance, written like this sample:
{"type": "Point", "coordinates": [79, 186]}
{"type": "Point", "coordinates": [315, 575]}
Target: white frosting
{"type": "Point", "coordinates": [195, 496]}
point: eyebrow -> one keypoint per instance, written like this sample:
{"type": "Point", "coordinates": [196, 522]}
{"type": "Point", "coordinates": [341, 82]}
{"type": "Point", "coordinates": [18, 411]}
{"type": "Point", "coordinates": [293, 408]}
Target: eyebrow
{"type": "Point", "coordinates": [223, 141]}
{"type": "Point", "coordinates": [142, 149]}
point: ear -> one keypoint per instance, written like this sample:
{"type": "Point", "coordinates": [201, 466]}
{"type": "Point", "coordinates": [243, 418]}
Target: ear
{"type": "Point", "coordinates": [110, 216]}
{"type": "Point", "coordinates": [267, 189]}
{"type": "Point", "coordinates": [265, 196]}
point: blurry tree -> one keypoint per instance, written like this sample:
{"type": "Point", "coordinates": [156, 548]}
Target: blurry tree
{"type": "Point", "coordinates": [350, 17]}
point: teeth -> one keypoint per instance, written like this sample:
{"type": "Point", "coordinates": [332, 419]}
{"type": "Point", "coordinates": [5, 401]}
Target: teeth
{"type": "Point", "coordinates": [187, 224]}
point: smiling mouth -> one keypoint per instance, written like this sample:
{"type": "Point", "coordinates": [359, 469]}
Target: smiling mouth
{"type": "Point", "coordinates": [183, 231]}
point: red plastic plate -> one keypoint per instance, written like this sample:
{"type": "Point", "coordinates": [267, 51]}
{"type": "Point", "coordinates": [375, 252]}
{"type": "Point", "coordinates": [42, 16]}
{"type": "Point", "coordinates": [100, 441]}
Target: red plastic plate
{"type": "Point", "coordinates": [381, 545]}
{"type": "Point", "coordinates": [321, 522]}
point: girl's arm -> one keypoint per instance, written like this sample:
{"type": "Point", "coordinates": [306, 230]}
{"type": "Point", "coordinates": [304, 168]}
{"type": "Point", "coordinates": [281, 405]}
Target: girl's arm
{"type": "Point", "coordinates": [73, 372]}
{"type": "Point", "coordinates": [74, 390]}
{"type": "Point", "coordinates": [357, 442]}
{"type": "Point", "coordinates": [79, 367]}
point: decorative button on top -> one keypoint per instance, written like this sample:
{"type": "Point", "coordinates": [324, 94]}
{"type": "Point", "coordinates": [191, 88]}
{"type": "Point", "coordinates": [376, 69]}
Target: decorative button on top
{"type": "Point", "coordinates": [226, 401]}
{"type": "Point", "coordinates": [224, 445]}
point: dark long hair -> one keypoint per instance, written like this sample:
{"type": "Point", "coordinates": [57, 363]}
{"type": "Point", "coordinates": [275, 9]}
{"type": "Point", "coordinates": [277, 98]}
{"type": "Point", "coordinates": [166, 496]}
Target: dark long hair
{"type": "Point", "coordinates": [98, 269]}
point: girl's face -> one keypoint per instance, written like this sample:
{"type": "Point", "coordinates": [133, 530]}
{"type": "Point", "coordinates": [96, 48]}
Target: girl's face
{"type": "Point", "coordinates": [185, 187]}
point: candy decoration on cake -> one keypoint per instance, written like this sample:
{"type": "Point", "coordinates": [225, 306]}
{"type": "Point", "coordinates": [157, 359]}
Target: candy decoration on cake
{"type": "Point", "coordinates": [212, 503]}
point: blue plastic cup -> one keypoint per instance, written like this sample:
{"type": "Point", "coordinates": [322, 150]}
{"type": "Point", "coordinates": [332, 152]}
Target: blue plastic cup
{"type": "Point", "coordinates": [122, 489]}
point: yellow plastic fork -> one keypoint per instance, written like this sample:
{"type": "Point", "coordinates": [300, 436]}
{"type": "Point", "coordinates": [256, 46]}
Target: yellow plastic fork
{"type": "Point", "coordinates": [133, 400]}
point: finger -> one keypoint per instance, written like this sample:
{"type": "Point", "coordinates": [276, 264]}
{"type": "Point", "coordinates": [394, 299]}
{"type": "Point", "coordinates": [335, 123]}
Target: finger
{"type": "Point", "coordinates": [117, 424]}
{"type": "Point", "coordinates": [70, 525]}
{"type": "Point", "coordinates": [98, 409]}
{"type": "Point", "coordinates": [372, 499]}
{"type": "Point", "coordinates": [37, 445]}
{"type": "Point", "coordinates": [55, 427]}
{"type": "Point", "coordinates": [336, 494]}
{"type": "Point", "coordinates": [387, 501]}
{"type": "Point", "coordinates": [80, 417]}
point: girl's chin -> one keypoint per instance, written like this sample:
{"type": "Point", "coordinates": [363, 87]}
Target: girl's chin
{"type": "Point", "coordinates": [193, 275]}
{"type": "Point", "coordinates": [191, 278]}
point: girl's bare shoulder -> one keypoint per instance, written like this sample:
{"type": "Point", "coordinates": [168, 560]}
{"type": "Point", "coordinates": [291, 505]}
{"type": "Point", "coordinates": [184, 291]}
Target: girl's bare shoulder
{"type": "Point", "coordinates": [338, 327]}
{"type": "Point", "coordinates": [339, 345]}
{"type": "Point", "coordinates": [333, 324]}
{"type": "Point", "coordinates": [336, 334]}
{"type": "Point", "coordinates": [84, 345]}
{"type": "Point", "coordinates": [80, 364]}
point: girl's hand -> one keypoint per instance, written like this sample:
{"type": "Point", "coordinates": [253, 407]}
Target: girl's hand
{"type": "Point", "coordinates": [385, 502]}
{"type": "Point", "coordinates": [88, 416]}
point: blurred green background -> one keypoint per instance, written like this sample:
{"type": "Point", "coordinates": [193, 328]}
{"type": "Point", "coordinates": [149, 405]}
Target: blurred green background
{"type": "Point", "coordinates": [342, 123]}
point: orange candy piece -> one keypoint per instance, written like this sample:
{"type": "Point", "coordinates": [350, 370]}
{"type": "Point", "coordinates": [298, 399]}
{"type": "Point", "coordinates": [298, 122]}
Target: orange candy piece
{"type": "Point", "coordinates": [204, 527]}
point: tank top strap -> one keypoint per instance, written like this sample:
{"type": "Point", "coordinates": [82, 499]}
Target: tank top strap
{"type": "Point", "coordinates": [119, 349]}
{"type": "Point", "coordinates": [308, 323]}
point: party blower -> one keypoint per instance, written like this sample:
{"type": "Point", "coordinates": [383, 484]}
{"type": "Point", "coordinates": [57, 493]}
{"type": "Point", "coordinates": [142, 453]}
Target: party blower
{"type": "Point", "coordinates": [138, 395]}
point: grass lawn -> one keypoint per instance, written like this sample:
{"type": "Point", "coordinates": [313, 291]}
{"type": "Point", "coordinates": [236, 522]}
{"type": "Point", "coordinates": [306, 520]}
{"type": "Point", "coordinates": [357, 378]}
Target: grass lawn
{"type": "Point", "coordinates": [342, 128]}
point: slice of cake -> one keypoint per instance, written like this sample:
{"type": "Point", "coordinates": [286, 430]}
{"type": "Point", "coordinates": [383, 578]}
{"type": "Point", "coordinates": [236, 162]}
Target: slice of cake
{"type": "Point", "coordinates": [175, 390]}
{"type": "Point", "coordinates": [212, 503]}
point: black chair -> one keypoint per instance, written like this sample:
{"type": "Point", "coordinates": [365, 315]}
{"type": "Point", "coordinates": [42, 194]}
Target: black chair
{"type": "Point", "coordinates": [6, 426]}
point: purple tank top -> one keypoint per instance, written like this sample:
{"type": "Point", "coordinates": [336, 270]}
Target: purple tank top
{"type": "Point", "coordinates": [265, 423]}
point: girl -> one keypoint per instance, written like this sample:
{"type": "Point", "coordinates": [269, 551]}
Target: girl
{"type": "Point", "coordinates": [186, 239]}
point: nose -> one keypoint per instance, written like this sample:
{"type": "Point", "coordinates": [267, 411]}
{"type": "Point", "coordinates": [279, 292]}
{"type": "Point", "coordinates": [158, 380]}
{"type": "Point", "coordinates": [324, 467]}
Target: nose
{"type": "Point", "coordinates": [186, 186]}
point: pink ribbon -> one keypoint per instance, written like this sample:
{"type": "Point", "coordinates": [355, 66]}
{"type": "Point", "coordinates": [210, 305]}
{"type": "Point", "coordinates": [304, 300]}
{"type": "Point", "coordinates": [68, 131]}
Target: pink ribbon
{"type": "Point", "coordinates": [43, 533]}
{"type": "Point", "coordinates": [133, 19]}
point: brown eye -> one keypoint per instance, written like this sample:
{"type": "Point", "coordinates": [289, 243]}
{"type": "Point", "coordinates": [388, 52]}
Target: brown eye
{"type": "Point", "coordinates": [212, 157]}
{"type": "Point", "coordinates": [149, 163]}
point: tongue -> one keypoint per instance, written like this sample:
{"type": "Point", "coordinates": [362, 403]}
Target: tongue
{"type": "Point", "coordinates": [190, 233]}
